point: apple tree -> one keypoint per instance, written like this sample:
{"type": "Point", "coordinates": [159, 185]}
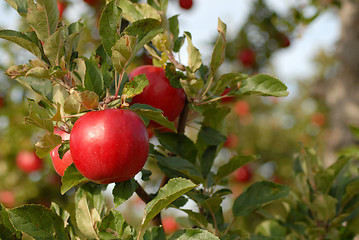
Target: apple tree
{"type": "Point", "coordinates": [105, 109]}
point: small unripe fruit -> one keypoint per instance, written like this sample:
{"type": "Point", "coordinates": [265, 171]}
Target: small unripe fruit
{"type": "Point", "coordinates": [247, 57]}
{"type": "Point", "coordinates": [169, 224]}
{"type": "Point", "coordinates": [232, 141]}
{"type": "Point", "coordinates": [241, 108]}
{"type": "Point", "coordinates": [7, 198]}
{"type": "Point", "coordinates": [109, 145]}
{"type": "Point", "coordinates": [243, 174]}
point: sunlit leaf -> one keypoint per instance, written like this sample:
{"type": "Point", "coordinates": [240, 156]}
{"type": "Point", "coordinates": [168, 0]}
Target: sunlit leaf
{"type": "Point", "coordinates": [72, 177]}
{"type": "Point", "coordinates": [175, 188]}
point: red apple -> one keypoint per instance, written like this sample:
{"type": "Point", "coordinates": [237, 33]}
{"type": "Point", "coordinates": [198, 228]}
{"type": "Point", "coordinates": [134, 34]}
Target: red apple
{"type": "Point", "coordinates": [243, 174]}
{"type": "Point", "coordinates": [241, 108]}
{"type": "Point", "coordinates": [28, 161]}
{"type": "Point", "coordinates": [61, 5]}
{"type": "Point", "coordinates": [247, 57]}
{"type": "Point", "coordinates": [59, 164]}
{"type": "Point", "coordinates": [169, 224]}
{"type": "Point", "coordinates": [7, 198]}
{"type": "Point", "coordinates": [186, 4]}
{"type": "Point", "coordinates": [159, 93]}
{"type": "Point", "coordinates": [232, 141]}
{"type": "Point", "coordinates": [109, 145]}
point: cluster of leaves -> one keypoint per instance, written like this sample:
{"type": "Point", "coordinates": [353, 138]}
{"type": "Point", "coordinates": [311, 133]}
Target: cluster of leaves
{"type": "Point", "coordinates": [69, 85]}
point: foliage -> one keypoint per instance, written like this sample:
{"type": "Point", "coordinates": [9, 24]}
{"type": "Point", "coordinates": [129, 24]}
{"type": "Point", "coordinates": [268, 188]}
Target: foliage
{"type": "Point", "coordinates": [183, 168]}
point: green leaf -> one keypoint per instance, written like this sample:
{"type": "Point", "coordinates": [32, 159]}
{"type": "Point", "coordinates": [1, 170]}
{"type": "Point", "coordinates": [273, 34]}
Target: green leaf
{"type": "Point", "coordinates": [154, 233]}
{"type": "Point", "coordinates": [112, 226]}
{"type": "Point", "coordinates": [65, 215]}
{"type": "Point", "coordinates": [207, 160]}
{"type": "Point", "coordinates": [54, 47]}
{"type": "Point", "coordinates": [19, 5]}
{"type": "Point", "coordinates": [257, 195]}
{"type": "Point", "coordinates": [123, 191]}
{"type": "Point", "coordinates": [178, 144]}
{"type": "Point", "coordinates": [137, 11]}
{"type": "Point", "coordinates": [135, 86]}
{"type": "Point", "coordinates": [7, 231]}
{"type": "Point", "coordinates": [193, 234]}
{"type": "Point", "coordinates": [136, 36]}
{"type": "Point", "coordinates": [85, 219]}
{"type": "Point", "coordinates": [22, 40]}
{"type": "Point", "coordinates": [173, 76]}
{"type": "Point", "coordinates": [154, 116]}
{"type": "Point", "coordinates": [48, 142]}
{"type": "Point", "coordinates": [196, 218]}
{"type": "Point", "coordinates": [43, 16]}
{"type": "Point", "coordinates": [93, 78]}
{"type": "Point", "coordinates": [144, 30]}
{"type": "Point", "coordinates": [194, 56]}
{"type": "Point", "coordinates": [211, 136]}
{"type": "Point", "coordinates": [43, 87]}
{"type": "Point", "coordinates": [174, 27]}
{"type": "Point", "coordinates": [38, 72]}
{"type": "Point", "coordinates": [72, 104]}
{"type": "Point", "coordinates": [39, 117]}
{"type": "Point", "coordinates": [72, 177]}
{"type": "Point", "coordinates": [213, 204]}
{"type": "Point", "coordinates": [324, 207]}
{"type": "Point", "coordinates": [263, 85]}
{"type": "Point", "coordinates": [123, 52]}
{"type": "Point", "coordinates": [219, 48]}
{"type": "Point", "coordinates": [174, 167]}
{"type": "Point", "coordinates": [233, 164]}
{"type": "Point", "coordinates": [110, 22]}
{"type": "Point", "coordinates": [175, 188]}
{"type": "Point", "coordinates": [231, 80]}
{"type": "Point", "coordinates": [65, 146]}
{"type": "Point", "coordinates": [38, 222]}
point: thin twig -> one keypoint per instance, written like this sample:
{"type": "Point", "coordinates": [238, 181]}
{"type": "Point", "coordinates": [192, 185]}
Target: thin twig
{"type": "Point", "coordinates": [173, 60]}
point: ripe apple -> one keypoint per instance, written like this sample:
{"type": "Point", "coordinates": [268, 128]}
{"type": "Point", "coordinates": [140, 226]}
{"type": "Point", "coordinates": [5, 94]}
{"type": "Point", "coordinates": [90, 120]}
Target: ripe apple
{"type": "Point", "coordinates": [61, 5]}
{"type": "Point", "coordinates": [28, 161]}
{"type": "Point", "coordinates": [232, 141]}
{"type": "Point", "coordinates": [186, 4]}
{"type": "Point", "coordinates": [169, 224]}
{"type": "Point", "coordinates": [7, 198]}
{"type": "Point", "coordinates": [110, 145]}
{"type": "Point", "coordinates": [243, 174]}
{"type": "Point", "coordinates": [59, 164]}
{"type": "Point", "coordinates": [159, 93]}
{"type": "Point", "coordinates": [241, 108]}
{"type": "Point", "coordinates": [247, 57]}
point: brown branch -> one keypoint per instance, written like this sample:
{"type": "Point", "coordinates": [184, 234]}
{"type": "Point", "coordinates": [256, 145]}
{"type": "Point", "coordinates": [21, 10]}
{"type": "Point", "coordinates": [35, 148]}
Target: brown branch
{"type": "Point", "coordinates": [180, 129]}
{"type": "Point", "coordinates": [147, 198]}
